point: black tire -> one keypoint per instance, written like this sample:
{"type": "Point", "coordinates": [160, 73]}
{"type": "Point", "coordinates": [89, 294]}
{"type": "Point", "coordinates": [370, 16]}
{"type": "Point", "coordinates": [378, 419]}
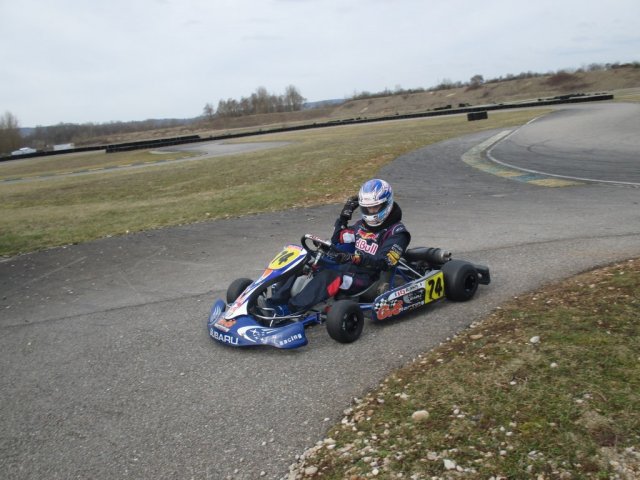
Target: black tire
{"type": "Point", "coordinates": [345, 321]}
{"type": "Point", "coordinates": [460, 280]}
{"type": "Point", "coordinates": [236, 288]}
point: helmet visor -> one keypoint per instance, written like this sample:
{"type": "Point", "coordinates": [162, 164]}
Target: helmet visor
{"type": "Point", "coordinates": [374, 209]}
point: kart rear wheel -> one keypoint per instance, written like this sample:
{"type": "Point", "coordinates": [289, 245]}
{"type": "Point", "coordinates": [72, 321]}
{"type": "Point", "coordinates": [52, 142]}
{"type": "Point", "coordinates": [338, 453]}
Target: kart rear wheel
{"type": "Point", "coordinates": [236, 288]}
{"type": "Point", "coordinates": [345, 321]}
{"type": "Point", "coordinates": [460, 280]}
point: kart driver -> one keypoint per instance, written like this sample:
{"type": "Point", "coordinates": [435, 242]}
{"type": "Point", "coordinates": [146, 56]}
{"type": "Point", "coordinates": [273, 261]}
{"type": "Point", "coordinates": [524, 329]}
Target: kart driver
{"type": "Point", "coordinates": [373, 244]}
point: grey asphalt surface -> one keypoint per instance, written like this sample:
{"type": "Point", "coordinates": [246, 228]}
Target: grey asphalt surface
{"type": "Point", "coordinates": [108, 371]}
{"type": "Point", "coordinates": [560, 145]}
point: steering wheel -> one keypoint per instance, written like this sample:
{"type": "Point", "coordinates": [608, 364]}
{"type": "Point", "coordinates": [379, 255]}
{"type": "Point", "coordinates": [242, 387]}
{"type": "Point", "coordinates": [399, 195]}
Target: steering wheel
{"type": "Point", "coordinates": [311, 243]}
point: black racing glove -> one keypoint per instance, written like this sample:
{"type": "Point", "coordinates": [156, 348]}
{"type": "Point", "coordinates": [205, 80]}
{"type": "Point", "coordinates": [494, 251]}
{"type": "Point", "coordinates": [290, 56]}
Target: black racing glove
{"type": "Point", "coordinates": [344, 257]}
{"type": "Point", "coordinates": [347, 211]}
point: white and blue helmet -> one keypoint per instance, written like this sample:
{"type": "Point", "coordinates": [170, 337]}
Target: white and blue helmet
{"type": "Point", "coordinates": [376, 201]}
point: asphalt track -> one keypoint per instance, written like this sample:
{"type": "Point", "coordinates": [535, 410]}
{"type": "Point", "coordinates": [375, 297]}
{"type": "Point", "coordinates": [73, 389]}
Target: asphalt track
{"type": "Point", "coordinates": [107, 368]}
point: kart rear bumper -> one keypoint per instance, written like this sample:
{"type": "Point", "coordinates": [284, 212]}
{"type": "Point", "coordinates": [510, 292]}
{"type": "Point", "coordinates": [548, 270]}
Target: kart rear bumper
{"type": "Point", "coordinates": [484, 277]}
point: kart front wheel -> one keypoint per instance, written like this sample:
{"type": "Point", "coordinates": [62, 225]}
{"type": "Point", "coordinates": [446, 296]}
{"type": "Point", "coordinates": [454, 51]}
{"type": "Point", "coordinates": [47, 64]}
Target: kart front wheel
{"type": "Point", "coordinates": [460, 280]}
{"type": "Point", "coordinates": [345, 321]}
{"type": "Point", "coordinates": [236, 288]}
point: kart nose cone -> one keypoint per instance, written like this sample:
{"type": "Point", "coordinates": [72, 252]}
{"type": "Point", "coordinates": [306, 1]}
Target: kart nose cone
{"type": "Point", "coordinates": [245, 331]}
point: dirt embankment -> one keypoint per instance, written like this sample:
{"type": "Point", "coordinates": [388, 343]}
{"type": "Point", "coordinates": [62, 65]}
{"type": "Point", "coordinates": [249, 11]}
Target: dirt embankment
{"type": "Point", "coordinates": [495, 93]}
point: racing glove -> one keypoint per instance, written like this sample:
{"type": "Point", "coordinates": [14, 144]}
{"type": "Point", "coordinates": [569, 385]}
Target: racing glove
{"type": "Point", "coordinates": [344, 257]}
{"type": "Point", "coordinates": [347, 211]}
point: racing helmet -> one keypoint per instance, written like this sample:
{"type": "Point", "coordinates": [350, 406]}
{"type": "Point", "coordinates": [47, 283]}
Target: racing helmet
{"type": "Point", "coordinates": [376, 201]}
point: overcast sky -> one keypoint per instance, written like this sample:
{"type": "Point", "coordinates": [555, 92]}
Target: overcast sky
{"type": "Point", "coordinates": [84, 61]}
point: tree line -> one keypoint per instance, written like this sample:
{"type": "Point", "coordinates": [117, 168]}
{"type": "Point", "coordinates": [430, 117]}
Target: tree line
{"type": "Point", "coordinates": [261, 101]}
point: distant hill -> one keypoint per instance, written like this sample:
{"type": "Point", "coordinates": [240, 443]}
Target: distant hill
{"type": "Point", "coordinates": [495, 92]}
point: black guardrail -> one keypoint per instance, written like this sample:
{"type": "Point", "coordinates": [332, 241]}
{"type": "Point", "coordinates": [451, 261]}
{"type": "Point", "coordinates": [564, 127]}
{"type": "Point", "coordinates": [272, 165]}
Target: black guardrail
{"type": "Point", "coordinates": [116, 147]}
{"type": "Point", "coordinates": [448, 110]}
{"type": "Point", "coordinates": [160, 142]}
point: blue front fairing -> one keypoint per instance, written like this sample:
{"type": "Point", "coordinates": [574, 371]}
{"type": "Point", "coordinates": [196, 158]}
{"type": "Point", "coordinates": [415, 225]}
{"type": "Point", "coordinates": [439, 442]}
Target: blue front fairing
{"type": "Point", "coordinates": [244, 331]}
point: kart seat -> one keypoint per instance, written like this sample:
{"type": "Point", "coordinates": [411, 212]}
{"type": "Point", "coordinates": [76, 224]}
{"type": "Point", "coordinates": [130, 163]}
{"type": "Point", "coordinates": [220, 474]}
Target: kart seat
{"type": "Point", "coordinates": [299, 284]}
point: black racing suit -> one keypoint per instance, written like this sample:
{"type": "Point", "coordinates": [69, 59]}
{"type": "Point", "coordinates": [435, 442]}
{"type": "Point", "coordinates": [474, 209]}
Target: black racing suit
{"type": "Point", "coordinates": [376, 249]}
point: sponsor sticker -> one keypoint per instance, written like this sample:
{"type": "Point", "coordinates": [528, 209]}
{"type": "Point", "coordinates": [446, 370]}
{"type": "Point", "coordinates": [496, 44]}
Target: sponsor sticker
{"type": "Point", "coordinates": [388, 309]}
{"type": "Point", "coordinates": [224, 324]}
{"type": "Point", "coordinates": [403, 291]}
{"type": "Point", "coordinates": [416, 297]}
{"type": "Point", "coordinates": [292, 338]}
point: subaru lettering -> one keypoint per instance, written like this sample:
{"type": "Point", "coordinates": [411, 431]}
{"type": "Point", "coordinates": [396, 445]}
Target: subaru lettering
{"type": "Point", "coordinates": [223, 338]}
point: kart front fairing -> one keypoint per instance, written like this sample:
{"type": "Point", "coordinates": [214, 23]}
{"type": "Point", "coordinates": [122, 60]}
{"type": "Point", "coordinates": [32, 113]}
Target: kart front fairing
{"type": "Point", "coordinates": [234, 325]}
{"type": "Point", "coordinates": [245, 331]}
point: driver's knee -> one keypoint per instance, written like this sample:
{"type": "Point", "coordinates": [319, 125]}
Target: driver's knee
{"type": "Point", "coordinates": [317, 290]}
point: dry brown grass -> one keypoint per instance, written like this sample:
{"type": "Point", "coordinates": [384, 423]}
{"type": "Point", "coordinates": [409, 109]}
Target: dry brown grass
{"type": "Point", "coordinates": [545, 387]}
{"type": "Point", "coordinates": [317, 166]}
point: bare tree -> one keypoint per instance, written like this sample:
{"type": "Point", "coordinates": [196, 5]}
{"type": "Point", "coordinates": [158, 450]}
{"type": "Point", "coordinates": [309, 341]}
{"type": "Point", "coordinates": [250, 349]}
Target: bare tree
{"type": "Point", "coordinates": [10, 137]}
{"type": "Point", "coordinates": [292, 99]}
{"type": "Point", "coordinates": [260, 100]}
{"type": "Point", "coordinates": [208, 111]}
{"type": "Point", "coordinates": [477, 80]}
{"type": "Point", "coordinates": [245, 107]}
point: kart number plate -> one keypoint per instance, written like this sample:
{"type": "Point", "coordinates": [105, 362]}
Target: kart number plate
{"type": "Point", "coordinates": [285, 257]}
{"type": "Point", "coordinates": [434, 288]}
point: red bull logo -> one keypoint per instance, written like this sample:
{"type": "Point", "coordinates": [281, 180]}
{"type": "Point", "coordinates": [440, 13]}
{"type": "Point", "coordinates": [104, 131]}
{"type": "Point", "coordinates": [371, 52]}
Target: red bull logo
{"type": "Point", "coordinates": [367, 235]}
{"type": "Point", "coordinates": [362, 245]}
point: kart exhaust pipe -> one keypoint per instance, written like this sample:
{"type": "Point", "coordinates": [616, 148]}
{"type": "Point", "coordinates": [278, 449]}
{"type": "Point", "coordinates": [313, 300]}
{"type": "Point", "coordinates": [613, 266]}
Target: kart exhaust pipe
{"type": "Point", "coordinates": [441, 255]}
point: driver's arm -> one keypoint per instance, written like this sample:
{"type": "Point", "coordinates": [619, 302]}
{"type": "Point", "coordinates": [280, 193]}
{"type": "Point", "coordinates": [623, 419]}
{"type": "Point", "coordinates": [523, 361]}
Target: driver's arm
{"type": "Point", "coordinates": [342, 234]}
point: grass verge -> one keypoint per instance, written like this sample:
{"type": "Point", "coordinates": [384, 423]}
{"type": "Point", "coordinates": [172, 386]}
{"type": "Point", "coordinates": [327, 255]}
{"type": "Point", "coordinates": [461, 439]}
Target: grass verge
{"type": "Point", "coordinates": [319, 166]}
{"type": "Point", "coordinates": [73, 162]}
{"type": "Point", "coordinates": [547, 387]}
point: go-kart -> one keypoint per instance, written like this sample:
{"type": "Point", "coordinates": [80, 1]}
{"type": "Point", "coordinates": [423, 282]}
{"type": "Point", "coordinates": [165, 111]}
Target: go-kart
{"type": "Point", "coordinates": [421, 277]}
